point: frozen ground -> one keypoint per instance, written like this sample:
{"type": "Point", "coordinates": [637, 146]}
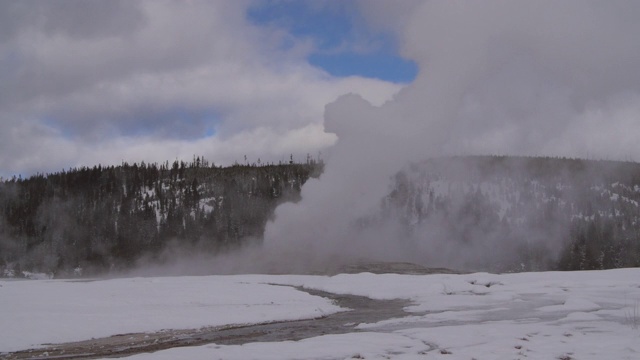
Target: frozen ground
{"type": "Point", "coordinates": [34, 312]}
{"type": "Point", "coordinates": [550, 315]}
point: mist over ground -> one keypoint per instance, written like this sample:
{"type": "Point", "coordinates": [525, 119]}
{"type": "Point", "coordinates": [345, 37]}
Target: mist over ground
{"type": "Point", "coordinates": [516, 78]}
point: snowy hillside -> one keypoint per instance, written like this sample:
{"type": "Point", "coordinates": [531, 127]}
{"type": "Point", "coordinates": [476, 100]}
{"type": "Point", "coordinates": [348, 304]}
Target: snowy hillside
{"type": "Point", "coordinates": [466, 213]}
{"type": "Point", "coordinates": [103, 219]}
{"type": "Point", "coordinates": [521, 214]}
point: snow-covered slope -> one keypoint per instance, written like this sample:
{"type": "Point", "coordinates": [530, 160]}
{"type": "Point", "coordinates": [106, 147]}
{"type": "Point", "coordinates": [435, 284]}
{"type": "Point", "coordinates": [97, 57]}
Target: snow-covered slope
{"type": "Point", "coordinates": [520, 214]}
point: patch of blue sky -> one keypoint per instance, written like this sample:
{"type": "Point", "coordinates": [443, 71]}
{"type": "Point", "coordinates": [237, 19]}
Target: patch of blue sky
{"type": "Point", "coordinates": [172, 122]}
{"type": "Point", "coordinates": [63, 131]}
{"type": "Point", "coordinates": [176, 122]}
{"type": "Point", "coordinates": [344, 45]}
{"type": "Point", "coordinates": [327, 24]}
{"type": "Point", "coordinates": [210, 123]}
{"type": "Point", "coordinates": [379, 65]}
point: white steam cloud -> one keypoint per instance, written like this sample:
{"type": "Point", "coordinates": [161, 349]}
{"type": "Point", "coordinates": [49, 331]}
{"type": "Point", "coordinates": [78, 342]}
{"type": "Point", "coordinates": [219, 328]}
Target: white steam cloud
{"type": "Point", "coordinates": [533, 78]}
{"type": "Point", "coordinates": [500, 77]}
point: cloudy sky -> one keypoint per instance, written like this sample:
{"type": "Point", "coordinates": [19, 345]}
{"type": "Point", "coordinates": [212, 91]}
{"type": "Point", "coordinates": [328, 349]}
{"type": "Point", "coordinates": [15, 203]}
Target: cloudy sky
{"type": "Point", "coordinates": [84, 82]}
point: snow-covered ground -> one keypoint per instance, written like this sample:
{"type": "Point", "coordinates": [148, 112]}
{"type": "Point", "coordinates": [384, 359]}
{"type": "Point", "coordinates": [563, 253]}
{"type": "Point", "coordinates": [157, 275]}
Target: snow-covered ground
{"type": "Point", "coordinates": [549, 315]}
{"type": "Point", "coordinates": [34, 312]}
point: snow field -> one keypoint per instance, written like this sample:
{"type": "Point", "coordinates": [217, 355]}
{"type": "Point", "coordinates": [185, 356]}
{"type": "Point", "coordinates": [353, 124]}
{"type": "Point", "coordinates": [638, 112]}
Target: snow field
{"type": "Point", "coordinates": [492, 341]}
{"type": "Point", "coordinates": [547, 315]}
{"type": "Point", "coordinates": [36, 312]}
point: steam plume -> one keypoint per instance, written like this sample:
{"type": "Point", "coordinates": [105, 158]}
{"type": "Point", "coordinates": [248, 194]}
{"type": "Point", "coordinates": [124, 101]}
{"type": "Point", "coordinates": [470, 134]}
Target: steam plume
{"type": "Point", "coordinates": [524, 78]}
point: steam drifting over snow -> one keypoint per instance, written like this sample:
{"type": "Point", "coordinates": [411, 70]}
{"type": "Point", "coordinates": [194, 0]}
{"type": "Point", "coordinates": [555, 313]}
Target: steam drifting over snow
{"type": "Point", "coordinates": [517, 78]}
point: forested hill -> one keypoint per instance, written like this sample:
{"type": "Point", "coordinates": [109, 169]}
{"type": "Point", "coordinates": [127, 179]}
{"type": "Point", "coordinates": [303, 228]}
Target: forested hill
{"type": "Point", "coordinates": [101, 218]}
{"type": "Point", "coordinates": [485, 213]}
{"type": "Point", "coordinates": [496, 213]}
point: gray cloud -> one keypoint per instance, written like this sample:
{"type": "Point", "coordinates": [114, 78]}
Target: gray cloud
{"type": "Point", "coordinates": [518, 77]}
{"type": "Point", "coordinates": [89, 81]}
{"type": "Point", "coordinates": [80, 19]}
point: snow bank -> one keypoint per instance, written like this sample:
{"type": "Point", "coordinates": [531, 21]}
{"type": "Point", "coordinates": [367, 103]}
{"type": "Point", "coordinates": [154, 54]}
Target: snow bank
{"type": "Point", "coordinates": [550, 315]}
{"type": "Point", "coordinates": [346, 346]}
{"type": "Point", "coordinates": [55, 311]}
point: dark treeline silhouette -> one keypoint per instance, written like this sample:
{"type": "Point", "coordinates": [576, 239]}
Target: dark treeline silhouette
{"type": "Point", "coordinates": [497, 213]}
{"type": "Point", "coordinates": [522, 213]}
{"type": "Point", "coordinates": [105, 218]}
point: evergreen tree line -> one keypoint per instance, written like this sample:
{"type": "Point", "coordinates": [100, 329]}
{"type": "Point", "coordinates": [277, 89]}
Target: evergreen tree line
{"type": "Point", "coordinates": [104, 218]}
{"type": "Point", "coordinates": [509, 213]}
{"type": "Point", "coordinates": [522, 214]}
